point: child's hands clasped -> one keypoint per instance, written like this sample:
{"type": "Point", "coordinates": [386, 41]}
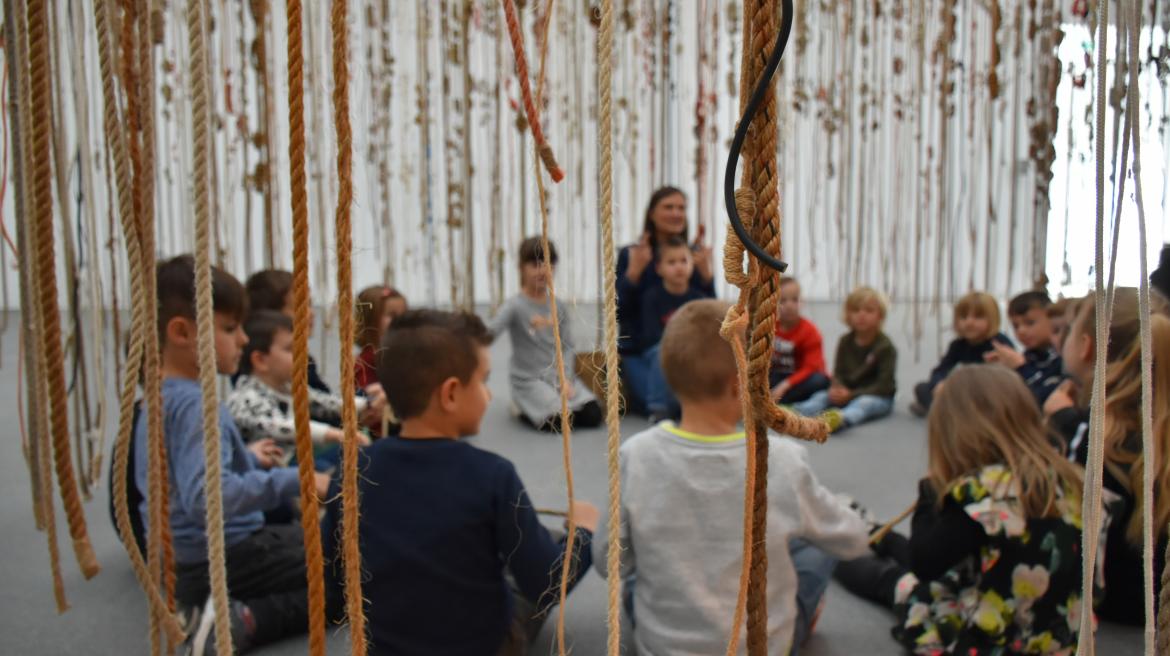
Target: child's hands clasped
{"type": "Point", "coordinates": [267, 453]}
{"type": "Point", "coordinates": [1005, 355]}
{"type": "Point", "coordinates": [839, 395]}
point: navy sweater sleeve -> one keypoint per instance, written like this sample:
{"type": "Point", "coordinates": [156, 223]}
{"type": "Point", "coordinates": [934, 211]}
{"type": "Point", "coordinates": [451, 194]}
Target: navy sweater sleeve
{"type": "Point", "coordinates": [940, 539]}
{"type": "Point", "coordinates": [531, 554]}
{"type": "Point", "coordinates": [1042, 372]}
{"type": "Point", "coordinates": [628, 305]}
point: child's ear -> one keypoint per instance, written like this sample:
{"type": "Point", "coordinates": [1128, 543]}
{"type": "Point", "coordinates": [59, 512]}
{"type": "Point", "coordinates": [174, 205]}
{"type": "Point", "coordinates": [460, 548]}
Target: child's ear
{"type": "Point", "coordinates": [257, 360]}
{"type": "Point", "coordinates": [448, 394]}
{"type": "Point", "coordinates": [180, 331]}
{"type": "Point", "coordinates": [1085, 348]}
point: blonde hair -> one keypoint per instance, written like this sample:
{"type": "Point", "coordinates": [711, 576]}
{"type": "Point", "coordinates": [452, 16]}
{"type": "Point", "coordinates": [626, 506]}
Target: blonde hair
{"type": "Point", "coordinates": [982, 305]}
{"type": "Point", "coordinates": [1123, 398]}
{"type": "Point", "coordinates": [696, 361]}
{"type": "Point", "coordinates": [984, 416]}
{"type": "Point", "coordinates": [862, 295]}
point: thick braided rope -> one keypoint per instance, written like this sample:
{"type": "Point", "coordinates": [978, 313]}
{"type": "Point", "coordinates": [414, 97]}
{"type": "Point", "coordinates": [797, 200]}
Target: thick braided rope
{"type": "Point", "coordinates": [567, 561]}
{"type": "Point", "coordinates": [1164, 603]}
{"type": "Point", "coordinates": [1149, 449]}
{"type": "Point", "coordinates": [516, 34]}
{"type": "Point", "coordinates": [205, 319]}
{"type": "Point", "coordinates": [314, 560]}
{"type": "Point", "coordinates": [612, 386]}
{"type": "Point", "coordinates": [40, 102]}
{"type": "Point", "coordinates": [1091, 510]}
{"type": "Point", "coordinates": [349, 492]}
{"type": "Point", "coordinates": [115, 140]}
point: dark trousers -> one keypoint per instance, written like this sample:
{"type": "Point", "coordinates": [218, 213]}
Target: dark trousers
{"type": "Point", "coordinates": [589, 415]}
{"type": "Point", "coordinates": [875, 577]}
{"type": "Point", "coordinates": [924, 394]}
{"type": "Point", "coordinates": [802, 390]}
{"type": "Point", "coordinates": [267, 573]}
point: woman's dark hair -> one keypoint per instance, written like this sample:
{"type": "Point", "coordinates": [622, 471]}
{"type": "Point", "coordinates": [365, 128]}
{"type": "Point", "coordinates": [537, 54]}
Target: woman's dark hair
{"type": "Point", "coordinates": [659, 195]}
{"type": "Point", "coordinates": [261, 328]}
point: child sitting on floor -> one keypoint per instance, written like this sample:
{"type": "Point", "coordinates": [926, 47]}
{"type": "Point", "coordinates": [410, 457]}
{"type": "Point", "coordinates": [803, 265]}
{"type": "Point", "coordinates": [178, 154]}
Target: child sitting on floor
{"type": "Point", "coordinates": [798, 360]}
{"type": "Point", "coordinates": [1124, 582]}
{"type": "Point", "coordinates": [443, 523]}
{"type": "Point", "coordinates": [977, 327]}
{"type": "Point", "coordinates": [265, 564]}
{"type": "Point", "coordinates": [863, 383]}
{"type": "Point", "coordinates": [1039, 365]}
{"type": "Point", "coordinates": [261, 403]}
{"type": "Point", "coordinates": [675, 265]}
{"type": "Point", "coordinates": [375, 308]}
{"type": "Point", "coordinates": [536, 390]}
{"type": "Point", "coordinates": [993, 563]}
{"type": "Point", "coordinates": [682, 487]}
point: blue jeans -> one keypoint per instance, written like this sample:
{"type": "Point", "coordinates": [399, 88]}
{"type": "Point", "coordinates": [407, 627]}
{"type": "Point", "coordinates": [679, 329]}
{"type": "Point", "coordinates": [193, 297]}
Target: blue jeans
{"type": "Point", "coordinates": [814, 569]}
{"type": "Point", "coordinates": [802, 390]}
{"type": "Point", "coordinates": [859, 410]}
{"type": "Point", "coordinates": [646, 384]}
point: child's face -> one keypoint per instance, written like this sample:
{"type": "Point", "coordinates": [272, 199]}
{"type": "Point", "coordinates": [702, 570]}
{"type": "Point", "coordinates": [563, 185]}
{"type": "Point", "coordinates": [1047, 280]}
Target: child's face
{"type": "Point", "coordinates": [277, 363]}
{"type": "Point", "coordinates": [473, 397]}
{"type": "Point", "coordinates": [789, 302]}
{"type": "Point", "coordinates": [1059, 325]}
{"type": "Point", "coordinates": [972, 327]}
{"type": "Point", "coordinates": [229, 343]}
{"type": "Point", "coordinates": [866, 317]}
{"type": "Point", "coordinates": [1077, 355]}
{"type": "Point", "coordinates": [675, 266]}
{"type": "Point", "coordinates": [392, 309]}
{"type": "Point", "coordinates": [535, 276]}
{"type": "Point", "coordinates": [1033, 328]}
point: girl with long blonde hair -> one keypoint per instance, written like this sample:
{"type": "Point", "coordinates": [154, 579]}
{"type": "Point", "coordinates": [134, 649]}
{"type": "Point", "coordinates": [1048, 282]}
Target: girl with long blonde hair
{"type": "Point", "coordinates": [992, 565]}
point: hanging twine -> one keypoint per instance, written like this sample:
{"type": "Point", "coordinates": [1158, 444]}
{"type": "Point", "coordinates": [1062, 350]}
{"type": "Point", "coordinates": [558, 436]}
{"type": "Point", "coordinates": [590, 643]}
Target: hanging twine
{"type": "Point", "coordinates": [612, 380]}
{"type": "Point", "coordinates": [516, 34]}
{"type": "Point", "coordinates": [349, 491]}
{"type": "Point", "coordinates": [40, 101]}
{"type": "Point", "coordinates": [205, 318]}
{"type": "Point", "coordinates": [314, 560]}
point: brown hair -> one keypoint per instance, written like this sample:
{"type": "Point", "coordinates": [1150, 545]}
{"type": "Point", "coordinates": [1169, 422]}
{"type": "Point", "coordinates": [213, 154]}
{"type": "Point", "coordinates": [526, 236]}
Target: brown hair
{"type": "Point", "coordinates": [532, 252]}
{"type": "Point", "coordinates": [670, 243]}
{"type": "Point", "coordinates": [368, 309]}
{"type": "Point", "coordinates": [983, 305]}
{"type": "Point", "coordinates": [984, 416]}
{"type": "Point", "coordinates": [1063, 307]}
{"type": "Point", "coordinates": [696, 361]}
{"type": "Point", "coordinates": [261, 328]}
{"type": "Point", "coordinates": [1123, 394]}
{"type": "Point", "coordinates": [1021, 304]}
{"type": "Point", "coordinates": [176, 292]}
{"type": "Point", "coordinates": [423, 348]}
{"type": "Point", "coordinates": [863, 295]}
{"type": "Point", "coordinates": [268, 289]}
{"type": "Point", "coordinates": [660, 194]}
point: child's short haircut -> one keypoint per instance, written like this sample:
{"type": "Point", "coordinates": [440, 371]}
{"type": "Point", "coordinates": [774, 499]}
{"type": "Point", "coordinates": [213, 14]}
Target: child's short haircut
{"type": "Point", "coordinates": [261, 328]}
{"type": "Point", "coordinates": [268, 289]}
{"type": "Point", "coordinates": [176, 292]}
{"type": "Point", "coordinates": [982, 305]}
{"type": "Point", "coordinates": [863, 295]}
{"type": "Point", "coordinates": [532, 252]}
{"type": "Point", "coordinates": [697, 362]}
{"type": "Point", "coordinates": [1023, 303]}
{"type": "Point", "coordinates": [423, 348]}
{"type": "Point", "coordinates": [670, 243]}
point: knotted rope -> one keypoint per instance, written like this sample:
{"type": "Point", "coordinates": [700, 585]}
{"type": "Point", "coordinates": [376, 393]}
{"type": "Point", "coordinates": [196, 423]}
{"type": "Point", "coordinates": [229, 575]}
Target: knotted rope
{"type": "Point", "coordinates": [115, 141]}
{"type": "Point", "coordinates": [612, 377]}
{"type": "Point", "coordinates": [205, 318]}
{"type": "Point", "coordinates": [41, 116]}
{"type": "Point", "coordinates": [349, 491]}
{"type": "Point", "coordinates": [314, 560]}
{"type": "Point", "coordinates": [516, 34]}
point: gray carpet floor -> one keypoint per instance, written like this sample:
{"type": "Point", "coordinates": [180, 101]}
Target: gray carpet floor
{"type": "Point", "coordinates": [877, 463]}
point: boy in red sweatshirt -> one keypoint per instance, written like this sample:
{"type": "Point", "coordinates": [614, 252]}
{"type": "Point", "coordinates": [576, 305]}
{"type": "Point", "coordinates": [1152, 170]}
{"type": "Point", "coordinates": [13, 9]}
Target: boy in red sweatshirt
{"type": "Point", "coordinates": [798, 361]}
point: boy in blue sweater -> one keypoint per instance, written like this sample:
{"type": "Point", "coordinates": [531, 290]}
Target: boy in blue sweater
{"type": "Point", "coordinates": [1039, 365]}
{"type": "Point", "coordinates": [265, 564]}
{"type": "Point", "coordinates": [442, 521]}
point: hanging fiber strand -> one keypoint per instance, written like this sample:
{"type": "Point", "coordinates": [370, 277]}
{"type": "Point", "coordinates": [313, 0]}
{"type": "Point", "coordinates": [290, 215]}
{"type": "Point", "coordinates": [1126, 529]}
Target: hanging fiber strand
{"type": "Point", "coordinates": [516, 34]}
{"type": "Point", "coordinates": [298, 187]}
{"type": "Point", "coordinates": [38, 47]}
{"type": "Point", "coordinates": [349, 491]}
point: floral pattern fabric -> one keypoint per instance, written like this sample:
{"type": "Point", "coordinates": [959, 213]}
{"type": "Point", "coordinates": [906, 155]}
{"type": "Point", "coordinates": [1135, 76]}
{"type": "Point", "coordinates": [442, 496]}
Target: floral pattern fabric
{"type": "Point", "coordinates": [1020, 596]}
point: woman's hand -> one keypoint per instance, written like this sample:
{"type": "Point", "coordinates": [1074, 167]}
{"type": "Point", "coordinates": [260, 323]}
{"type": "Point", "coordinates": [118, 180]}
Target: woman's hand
{"type": "Point", "coordinates": [641, 255]}
{"type": "Point", "coordinates": [702, 254]}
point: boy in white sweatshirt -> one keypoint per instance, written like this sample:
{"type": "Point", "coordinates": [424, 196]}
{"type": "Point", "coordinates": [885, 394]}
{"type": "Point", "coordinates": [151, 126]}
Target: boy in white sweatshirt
{"type": "Point", "coordinates": [681, 511]}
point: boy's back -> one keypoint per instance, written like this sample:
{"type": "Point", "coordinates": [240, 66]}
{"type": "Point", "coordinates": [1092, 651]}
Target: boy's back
{"type": "Point", "coordinates": [682, 500]}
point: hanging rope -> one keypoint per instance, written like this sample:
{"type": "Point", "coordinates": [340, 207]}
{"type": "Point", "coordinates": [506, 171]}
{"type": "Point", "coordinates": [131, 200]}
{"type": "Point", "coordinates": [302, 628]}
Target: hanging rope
{"type": "Point", "coordinates": [41, 116]}
{"type": "Point", "coordinates": [314, 560]}
{"type": "Point", "coordinates": [349, 492]}
{"type": "Point", "coordinates": [516, 34]}
{"type": "Point", "coordinates": [115, 142]}
{"type": "Point", "coordinates": [205, 316]}
{"type": "Point", "coordinates": [612, 377]}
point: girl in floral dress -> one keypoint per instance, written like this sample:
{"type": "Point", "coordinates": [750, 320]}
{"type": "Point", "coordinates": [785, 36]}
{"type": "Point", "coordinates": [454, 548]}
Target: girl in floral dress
{"type": "Point", "coordinates": [993, 564]}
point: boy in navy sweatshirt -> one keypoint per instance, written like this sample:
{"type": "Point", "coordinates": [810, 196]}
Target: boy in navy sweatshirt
{"type": "Point", "coordinates": [1039, 365]}
{"type": "Point", "coordinates": [442, 521]}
